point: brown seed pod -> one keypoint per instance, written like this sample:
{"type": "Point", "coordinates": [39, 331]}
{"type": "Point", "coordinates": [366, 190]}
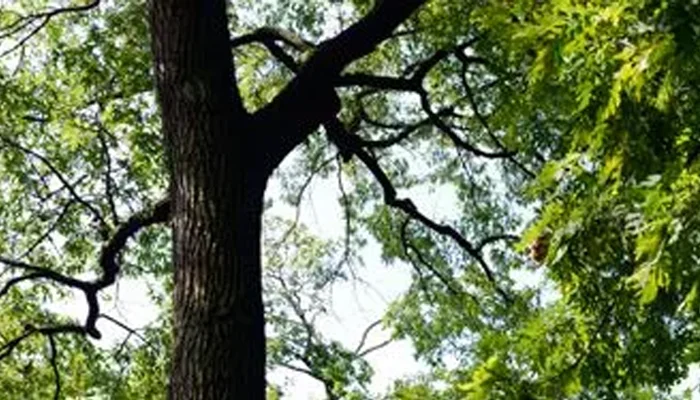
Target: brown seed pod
{"type": "Point", "coordinates": [539, 248]}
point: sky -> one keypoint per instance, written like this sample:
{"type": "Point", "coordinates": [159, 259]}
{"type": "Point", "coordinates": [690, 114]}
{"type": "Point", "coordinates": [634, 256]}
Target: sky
{"type": "Point", "coordinates": [353, 305]}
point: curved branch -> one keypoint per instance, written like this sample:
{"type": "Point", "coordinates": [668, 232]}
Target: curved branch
{"type": "Point", "coordinates": [274, 34]}
{"type": "Point", "coordinates": [496, 238]}
{"type": "Point", "coordinates": [348, 143]}
{"type": "Point", "coordinates": [417, 74]}
{"type": "Point", "coordinates": [108, 258]}
{"type": "Point", "coordinates": [415, 84]}
{"type": "Point", "coordinates": [309, 99]}
{"type": "Point", "coordinates": [44, 17]}
{"type": "Point", "coordinates": [303, 371]}
{"type": "Point", "coordinates": [466, 60]}
{"type": "Point", "coordinates": [363, 339]}
{"type": "Point", "coordinates": [375, 347]}
{"type": "Point", "coordinates": [9, 346]}
{"type": "Point", "coordinates": [454, 137]}
{"type": "Point", "coordinates": [97, 216]}
{"type": "Point", "coordinates": [17, 280]}
{"type": "Point", "coordinates": [108, 263]}
{"type": "Point", "coordinates": [37, 272]}
{"type": "Point", "coordinates": [110, 254]}
{"type": "Point", "coordinates": [269, 40]}
{"type": "Point", "coordinates": [406, 131]}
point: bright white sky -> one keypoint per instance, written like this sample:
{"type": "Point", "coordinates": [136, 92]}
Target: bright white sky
{"type": "Point", "coordinates": [354, 305]}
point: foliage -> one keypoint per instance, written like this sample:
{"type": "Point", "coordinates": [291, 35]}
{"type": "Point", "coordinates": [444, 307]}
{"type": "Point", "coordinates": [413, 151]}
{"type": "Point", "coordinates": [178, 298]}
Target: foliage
{"type": "Point", "coordinates": [572, 121]}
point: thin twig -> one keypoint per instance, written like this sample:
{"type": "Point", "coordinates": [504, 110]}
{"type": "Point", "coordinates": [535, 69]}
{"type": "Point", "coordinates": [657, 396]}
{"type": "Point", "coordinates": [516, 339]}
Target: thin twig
{"type": "Point", "coordinates": [44, 17]}
{"type": "Point", "coordinates": [363, 339]}
{"type": "Point", "coordinates": [54, 366]}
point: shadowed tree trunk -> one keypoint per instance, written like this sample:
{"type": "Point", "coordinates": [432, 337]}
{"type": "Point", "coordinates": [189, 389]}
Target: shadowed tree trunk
{"type": "Point", "coordinates": [217, 192]}
{"type": "Point", "coordinates": [220, 158]}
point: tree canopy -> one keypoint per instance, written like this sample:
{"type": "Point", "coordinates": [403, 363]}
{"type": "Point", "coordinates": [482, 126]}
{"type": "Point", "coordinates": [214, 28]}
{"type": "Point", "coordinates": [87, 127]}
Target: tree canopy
{"type": "Point", "coordinates": [563, 132]}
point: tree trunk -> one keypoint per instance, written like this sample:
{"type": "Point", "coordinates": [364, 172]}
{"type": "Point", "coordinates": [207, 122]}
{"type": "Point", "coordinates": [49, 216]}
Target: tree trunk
{"type": "Point", "coordinates": [217, 194]}
{"type": "Point", "coordinates": [219, 159]}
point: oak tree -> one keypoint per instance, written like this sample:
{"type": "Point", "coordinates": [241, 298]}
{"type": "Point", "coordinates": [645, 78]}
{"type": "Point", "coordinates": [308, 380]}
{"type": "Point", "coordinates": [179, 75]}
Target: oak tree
{"type": "Point", "coordinates": [138, 140]}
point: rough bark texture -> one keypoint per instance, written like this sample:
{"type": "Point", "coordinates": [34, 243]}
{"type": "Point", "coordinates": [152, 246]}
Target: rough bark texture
{"type": "Point", "coordinates": [217, 195]}
{"type": "Point", "coordinates": [219, 159]}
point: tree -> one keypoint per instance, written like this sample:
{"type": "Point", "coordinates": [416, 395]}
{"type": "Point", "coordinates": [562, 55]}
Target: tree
{"type": "Point", "coordinates": [513, 107]}
{"type": "Point", "coordinates": [599, 92]}
{"type": "Point", "coordinates": [219, 157]}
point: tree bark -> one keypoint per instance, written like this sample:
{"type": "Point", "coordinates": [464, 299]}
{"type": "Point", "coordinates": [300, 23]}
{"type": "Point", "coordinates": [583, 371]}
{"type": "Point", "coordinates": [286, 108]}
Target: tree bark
{"type": "Point", "coordinates": [217, 194]}
{"type": "Point", "coordinates": [219, 159]}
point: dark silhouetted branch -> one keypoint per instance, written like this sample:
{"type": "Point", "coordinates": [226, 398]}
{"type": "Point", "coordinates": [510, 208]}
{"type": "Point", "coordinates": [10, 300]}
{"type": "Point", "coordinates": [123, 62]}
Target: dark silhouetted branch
{"type": "Point", "coordinates": [54, 366]}
{"type": "Point", "coordinates": [365, 334]}
{"type": "Point", "coordinates": [374, 348]}
{"type": "Point", "coordinates": [102, 134]}
{"type": "Point", "coordinates": [454, 136]}
{"type": "Point", "coordinates": [495, 238]}
{"type": "Point", "coordinates": [48, 231]}
{"type": "Point", "coordinates": [97, 216]}
{"type": "Point", "coordinates": [273, 34]}
{"type": "Point", "coordinates": [348, 143]}
{"type": "Point", "coordinates": [43, 18]}
{"type": "Point", "coordinates": [108, 263]}
{"type": "Point", "coordinates": [8, 347]}
{"type": "Point", "coordinates": [310, 99]}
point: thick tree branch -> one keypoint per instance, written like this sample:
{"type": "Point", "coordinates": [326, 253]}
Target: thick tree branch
{"type": "Point", "coordinates": [272, 34]}
{"type": "Point", "coordinates": [37, 272]}
{"type": "Point", "coordinates": [17, 280]}
{"type": "Point", "coordinates": [108, 263]}
{"type": "Point", "coordinates": [108, 259]}
{"type": "Point", "coordinates": [379, 82]}
{"type": "Point", "coordinates": [309, 99]}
